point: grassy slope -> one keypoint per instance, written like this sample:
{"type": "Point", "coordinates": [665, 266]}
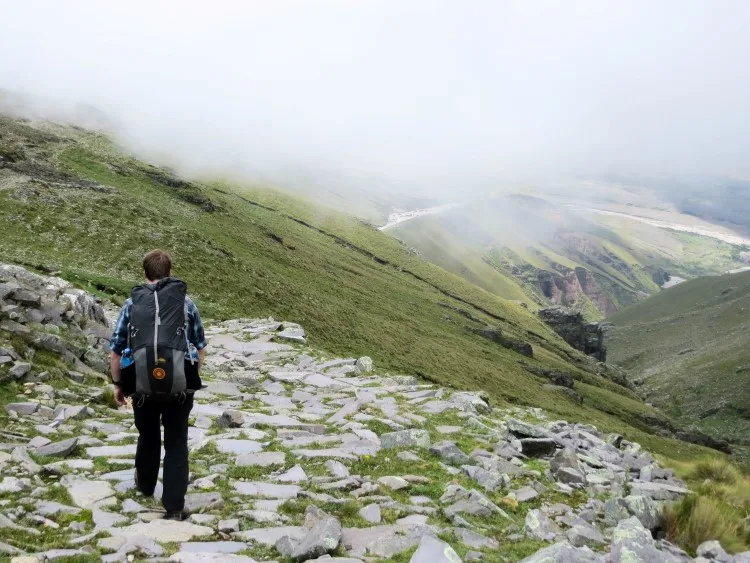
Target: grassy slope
{"type": "Point", "coordinates": [263, 253]}
{"type": "Point", "coordinates": [689, 345]}
{"type": "Point", "coordinates": [620, 252]}
{"type": "Point", "coordinates": [445, 250]}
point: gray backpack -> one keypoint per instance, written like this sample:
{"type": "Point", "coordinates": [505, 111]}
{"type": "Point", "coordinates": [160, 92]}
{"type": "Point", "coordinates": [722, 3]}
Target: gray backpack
{"type": "Point", "coordinates": [158, 338]}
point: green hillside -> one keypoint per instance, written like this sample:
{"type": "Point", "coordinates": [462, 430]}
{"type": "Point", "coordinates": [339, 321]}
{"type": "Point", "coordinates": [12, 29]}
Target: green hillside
{"type": "Point", "coordinates": [687, 349]}
{"type": "Point", "coordinates": [597, 264]}
{"type": "Point", "coordinates": [71, 201]}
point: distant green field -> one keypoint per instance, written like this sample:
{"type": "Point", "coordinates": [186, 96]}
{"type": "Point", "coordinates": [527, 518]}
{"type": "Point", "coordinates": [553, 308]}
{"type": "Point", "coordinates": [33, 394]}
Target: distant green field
{"type": "Point", "coordinates": [688, 347]}
{"type": "Point", "coordinates": [249, 252]}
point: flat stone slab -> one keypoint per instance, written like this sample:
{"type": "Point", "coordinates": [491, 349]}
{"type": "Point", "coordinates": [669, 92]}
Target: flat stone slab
{"type": "Point", "coordinates": [229, 446]}
{"type": "Point", "coordinates": [266, 490]}
{"type": "Point", "coordinates": [90, 494]}
{"type": "Point", "coordinates": [433, 550]}
{"type": "Point", "coordinates": [112, 451]}
{"type": "Point", "coordinates": [213, 547]}
{"type": "Point", "coordinates": [329, 453]}
{"type": "Point", "coordinates": [164, 530]}
{"type": "Point", "coordinates": [191, 557]}
{"type": "Point", "coordinates": [448, 429]}
{"type": "Point", "coordinates": [262, 459]}
{"type": "Point", "coordinates": [269, 536]}
{"type": "Point", "coordinates": [382, 541]}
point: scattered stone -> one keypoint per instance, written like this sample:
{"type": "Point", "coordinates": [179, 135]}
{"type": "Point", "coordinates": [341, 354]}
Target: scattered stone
{"type": "Point", "coordinates": [20, 369]}
{"type": "Point", "coordinates": [406, 439]}
{"type": "Point", "coordinates": [321, 535]}
{"type": "Point", "coordinates": [262, 459]}
{"type": "Point", "coordinates": [266, 490]}
{"type": "Point", "coordinates": [229, 526]}
{"type": "Point", "coordinates": [563, 552]}
{"type": "Point", "coordinates": [231, 419]}
{"type": "Point", "coordinates": [645, 509]}
{"type": "Point", "coordinates": [713, 551]}
{"type": "Point", "coordinates": [450, 453]}
{"type": "Point", "coordinates": [539, 526]}
{"type": "Point", "coordinates": [537, 447]}
{"type": "Point", "coordinates": [336, 468]}
{"type": "Point", "coordinates": [238, 447]}
{"type": "Point", "coordinates": [364, 365]}
{"type": "Point", "coordinates": [22, 409]}
{"type": "Point", "coordinates": [295, 475]}
{"type": "Point", "coordinates": [58, 449]}
{"type": "Point", "coordinates": [580, 536]}
{"type": "Point", "coordinates": [164, 531]}
{"type": "Point", "coordinates": [198, 502]}
{"type": "Point", "coordinates": [394, 483]}
{"type": "Point", "coordinates": [433, 550]}
{"type": "Point", "coordinates": [371, 513]}
{"type": "Point", "coordinates": [89, 494]}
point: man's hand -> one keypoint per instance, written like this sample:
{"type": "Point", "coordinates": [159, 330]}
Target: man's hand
{"type": "Point", "coordinates": [119, 396]}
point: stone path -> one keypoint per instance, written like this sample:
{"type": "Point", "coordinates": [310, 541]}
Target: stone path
{"type": "Point", "coordinates": [297, 457]}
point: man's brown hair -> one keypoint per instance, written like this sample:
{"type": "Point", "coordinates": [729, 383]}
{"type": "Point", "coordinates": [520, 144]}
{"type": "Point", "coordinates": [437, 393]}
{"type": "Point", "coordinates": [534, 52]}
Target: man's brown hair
{"type": "Point", "coordinates": [157, 265]}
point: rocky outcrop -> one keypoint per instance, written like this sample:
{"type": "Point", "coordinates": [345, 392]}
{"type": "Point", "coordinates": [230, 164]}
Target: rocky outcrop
{"type": "Point", "coordinates": [589, 338]}
{"type": "Point", "coordinates": [569, 288]}
{"type": "Point", "coordinates": [49, 315]}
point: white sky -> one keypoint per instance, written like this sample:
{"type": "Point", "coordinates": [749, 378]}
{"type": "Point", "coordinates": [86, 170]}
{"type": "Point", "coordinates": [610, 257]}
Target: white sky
{"type": "Point", "coordinates": [422, 94]}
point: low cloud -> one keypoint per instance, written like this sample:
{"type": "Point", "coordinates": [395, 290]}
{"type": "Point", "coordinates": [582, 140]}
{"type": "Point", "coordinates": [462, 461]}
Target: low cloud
{"type": "Point", "coordinates": [425, 97]}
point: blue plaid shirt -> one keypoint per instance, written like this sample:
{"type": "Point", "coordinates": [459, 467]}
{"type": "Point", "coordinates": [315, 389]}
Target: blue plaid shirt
{"type": "Point", "coordinates": [195, 335]}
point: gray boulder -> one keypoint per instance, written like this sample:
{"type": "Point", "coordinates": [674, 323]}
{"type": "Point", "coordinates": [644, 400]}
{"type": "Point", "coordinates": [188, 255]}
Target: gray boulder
{"type": "Point", "coordinates": [713, 551]}
{"type": "Point", "coordinates": [584, 535]}
{"type": "Point", "coordinates": [631, 542]}
{"type": "Point", "coordinates": [58, 449]}
{"type": "Point", "coordinates": [538, 447]}
{"type": "Point", "coordinates": [364, 365]}
{"type": "Point", "coordinates": [20, 369]}
{"type": "Point", "coordinates": [231, 419]}
{"type": "Point", "coordinates": [433, 550]}
{"type": "Point", "coordinates": [406, 439]}
{"type": "Point", "coordinates": [539, 526]}
{"type": "Point", "coordinates": [563, 552]}
{"type": "Point", "coordinates": [322, 535]}
{"type": "Point", "coordinates": [645, 509]}
{"type": "Point", "coordinates": [450, 453]}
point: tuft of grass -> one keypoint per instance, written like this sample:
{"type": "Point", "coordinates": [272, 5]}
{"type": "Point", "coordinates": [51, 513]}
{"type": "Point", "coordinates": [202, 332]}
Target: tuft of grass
{"type": "Point", "coordinates": [715, 469]}
{"type": "Point", "coordinates": [697, 518]}
{"type": "Point", "coordinates": [717, 509]}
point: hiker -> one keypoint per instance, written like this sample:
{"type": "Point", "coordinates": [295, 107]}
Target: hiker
{"type": "Point", "coordinates": [158, 348]}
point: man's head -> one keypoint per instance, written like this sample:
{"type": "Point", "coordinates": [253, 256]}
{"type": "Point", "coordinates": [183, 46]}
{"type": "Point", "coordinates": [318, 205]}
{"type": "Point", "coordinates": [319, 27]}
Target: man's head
{"type": "Point", "coordinates": [157, 265]}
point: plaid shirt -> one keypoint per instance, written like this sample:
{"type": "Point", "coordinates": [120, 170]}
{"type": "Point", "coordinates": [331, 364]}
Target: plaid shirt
{"type": "Point", "coordinates": [195, 335]}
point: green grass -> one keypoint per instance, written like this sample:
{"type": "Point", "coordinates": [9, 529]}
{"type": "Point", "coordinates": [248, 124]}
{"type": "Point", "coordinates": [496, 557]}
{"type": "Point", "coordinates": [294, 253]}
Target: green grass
{"type": "Point", "coordinates": [686, 348]}
{"type": "Point", "coordinates": [258, 253]}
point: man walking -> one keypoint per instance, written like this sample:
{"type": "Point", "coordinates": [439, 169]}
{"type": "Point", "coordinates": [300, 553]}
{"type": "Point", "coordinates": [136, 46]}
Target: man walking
{"type": "Point", "coordinates": [158, 348]}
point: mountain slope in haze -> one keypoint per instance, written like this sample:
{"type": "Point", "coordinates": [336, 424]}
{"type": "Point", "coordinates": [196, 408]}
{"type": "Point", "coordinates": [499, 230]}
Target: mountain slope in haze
{"type": "Point", "coordinates": [687, 350]}
{"type": "Point", "coordinates": [556, 254]}
{"type": "Point", "coordinates": [71, 201]}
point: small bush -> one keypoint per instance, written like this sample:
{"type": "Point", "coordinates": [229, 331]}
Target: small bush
{"type": "Point", "coordinates": [696, 519]}
{"type": "Point", "coordinates": [715, 469]}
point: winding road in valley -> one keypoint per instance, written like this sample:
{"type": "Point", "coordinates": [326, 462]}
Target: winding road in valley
{"type": "Point", "coordinates": [722, 236]}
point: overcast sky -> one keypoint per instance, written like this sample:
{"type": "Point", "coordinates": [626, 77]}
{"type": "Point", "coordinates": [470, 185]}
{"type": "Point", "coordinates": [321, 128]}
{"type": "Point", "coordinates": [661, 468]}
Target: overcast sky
{"type": "Point", "coordinates": [424, 94]}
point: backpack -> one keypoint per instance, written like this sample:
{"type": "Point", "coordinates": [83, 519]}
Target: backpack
{"type": "Point", "coordinates": [158, 339]}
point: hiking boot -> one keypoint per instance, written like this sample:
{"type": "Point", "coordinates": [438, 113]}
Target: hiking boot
{"type": "Point", "coordinates": [138, 487]}
{"type": "Point", "coordinates": [178, 515]}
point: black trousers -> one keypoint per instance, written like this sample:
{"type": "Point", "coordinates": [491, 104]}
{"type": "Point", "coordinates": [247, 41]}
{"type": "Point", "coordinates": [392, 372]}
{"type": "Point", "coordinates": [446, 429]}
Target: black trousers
{"type": "Point", "coordinates": [149, 416]}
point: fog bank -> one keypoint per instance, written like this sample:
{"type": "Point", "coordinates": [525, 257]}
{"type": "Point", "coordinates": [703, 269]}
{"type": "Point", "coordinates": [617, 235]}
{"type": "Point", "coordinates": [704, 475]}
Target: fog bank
{"type": "Point", "coordinates": [427, 97]}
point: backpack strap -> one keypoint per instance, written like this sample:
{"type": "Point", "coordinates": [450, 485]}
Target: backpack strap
{"type": "Point", "coordinates": [187, 337]}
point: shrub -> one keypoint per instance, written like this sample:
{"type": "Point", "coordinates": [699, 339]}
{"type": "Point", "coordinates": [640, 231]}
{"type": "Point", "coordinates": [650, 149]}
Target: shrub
{"type": "Point", "coordinates": [696, 519]}
{"type": "Point", "coordinates": [715, 469]}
